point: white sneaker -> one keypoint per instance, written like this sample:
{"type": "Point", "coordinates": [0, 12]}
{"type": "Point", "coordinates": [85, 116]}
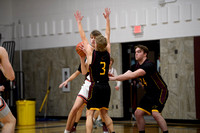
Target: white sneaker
{"type": "Point", "coordinates": [66, 131]}
{"type": "Point", "coordinates": [94, 124]}
{"type": "Point", "coordinates": [99, 123]}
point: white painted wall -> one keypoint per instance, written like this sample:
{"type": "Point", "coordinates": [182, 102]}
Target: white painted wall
{"type": "Point", "coordinates": [50, 23]}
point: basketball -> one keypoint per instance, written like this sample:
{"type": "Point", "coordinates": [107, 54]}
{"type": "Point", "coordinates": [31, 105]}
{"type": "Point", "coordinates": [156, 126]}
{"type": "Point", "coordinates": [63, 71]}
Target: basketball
{"type": "Point", "coordinates": [78, 50]}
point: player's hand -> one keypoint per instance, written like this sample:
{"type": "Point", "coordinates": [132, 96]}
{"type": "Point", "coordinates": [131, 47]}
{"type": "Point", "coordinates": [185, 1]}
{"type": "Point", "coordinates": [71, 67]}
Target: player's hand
{"type": "Point", "coordinates": [78, 16]}
{"type": "Point", "coordinates": [82, 47]}
{"type": "Point", "coordinates": [2, 88]}
{"type": "Point", "coordinates": [63, 84]}
{"type": "Point", "coordinates": [82, 58]}
{"type": "Point", "coordinates": [107, 13]}
{"type": "Point", "coordinates": [117, 88]}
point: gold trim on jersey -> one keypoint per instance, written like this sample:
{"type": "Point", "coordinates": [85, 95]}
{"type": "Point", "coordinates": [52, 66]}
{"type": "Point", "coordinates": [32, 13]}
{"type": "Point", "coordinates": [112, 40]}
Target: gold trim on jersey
{"type": "Point", "coordinates": [155, 110]}
{"type": "Point", "coordinates": [98, 108]}
{"type": "Point", "coordinates": [144, 110]}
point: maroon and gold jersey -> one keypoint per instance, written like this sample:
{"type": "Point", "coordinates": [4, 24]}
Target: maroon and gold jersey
{"type": "Point", "coordinates": [99, 67]}
{"type": "Point", "coordinates": [152, 81]}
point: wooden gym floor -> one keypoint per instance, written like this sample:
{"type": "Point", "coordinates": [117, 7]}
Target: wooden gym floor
{"type": "Point", "coordinates": [58, 126]}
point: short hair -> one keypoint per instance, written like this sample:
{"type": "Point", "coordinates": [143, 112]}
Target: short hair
{"type": "Point", "coordinates": [111, 59]}
{"type": "Point", "coordinates": [144, 48]}
{"type": "Point", "coordinates": [95, 33]}
{"type": "Point", "coordinates": [101, 43]}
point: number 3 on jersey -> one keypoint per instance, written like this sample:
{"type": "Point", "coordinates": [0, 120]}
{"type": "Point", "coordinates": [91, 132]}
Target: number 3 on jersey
{"type": "Point", "coordinates": [103, 68]}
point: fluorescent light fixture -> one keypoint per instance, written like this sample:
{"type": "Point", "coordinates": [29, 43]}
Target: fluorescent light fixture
{"type": "Point", "coordinates": [163, 2]}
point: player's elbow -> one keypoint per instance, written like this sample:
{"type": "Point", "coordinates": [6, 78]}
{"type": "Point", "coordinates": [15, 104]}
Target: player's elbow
{"type": "Point", "coordinates": [84, 73]}
{"type": "Point", "coordinates": [11, 77]}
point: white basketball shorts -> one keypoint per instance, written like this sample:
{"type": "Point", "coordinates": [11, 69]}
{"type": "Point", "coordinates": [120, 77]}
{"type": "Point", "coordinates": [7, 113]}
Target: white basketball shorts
{"type": "Point", "coordinates": [84, 90]}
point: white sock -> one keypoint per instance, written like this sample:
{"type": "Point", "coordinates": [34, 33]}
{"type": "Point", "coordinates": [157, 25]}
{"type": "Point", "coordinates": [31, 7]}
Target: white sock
{"type": "Point", "coordinates": [66, 131]}
{"type": "Point", "coordinates": [94, 120]}
{"type": "Point", "coordinates": [99, 118]}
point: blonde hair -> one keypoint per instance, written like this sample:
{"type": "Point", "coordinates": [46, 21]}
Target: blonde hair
{"type": "Point", "coordinates": [101, 43]}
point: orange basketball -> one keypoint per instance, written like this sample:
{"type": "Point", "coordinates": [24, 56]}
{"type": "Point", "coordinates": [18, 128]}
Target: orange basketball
{"type": "Point", "coordinates": [78, 50]}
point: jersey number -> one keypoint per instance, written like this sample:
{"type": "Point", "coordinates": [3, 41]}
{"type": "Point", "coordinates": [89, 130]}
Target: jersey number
{"type": "Point", "coordinates": [103, 68]}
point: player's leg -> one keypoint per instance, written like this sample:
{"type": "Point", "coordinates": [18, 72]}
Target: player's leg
{"type": "Point", "coordinates": [9, 122]}
{"type": "Point", "coordinates": [97, 119]}
{"type": "Point", "coordinates": [156, 113]}
{"type": "Point", "coordinates": [139, 115]}
{"type": "Point", "coordinates": [78, 116]}
{"type": "Point", "coordinates": [6, 117]}
{"type": "Point", "coordinates": [107, 119]}
{"type": "Point", "coordinates": [105, 129]}
{"type": "Point", "coordinates": [71, 117]}
{"type": "Point", "coordinates": [160, 120]}
{"type": "Point", "coordinates": [89, 121]}
{"type": "Point", "coordinates": [96, 114]}
{"type": "Point", "coordinates": [81, 98]}
{"type": "Point", "coordinates": [79, 113]}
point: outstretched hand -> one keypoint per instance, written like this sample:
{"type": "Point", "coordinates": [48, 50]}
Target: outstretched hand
{"type": "Point", "coordinates": [78, 16]}
{"type": "Point", "coordinates": [107, 13]}
{"type": "Point", "coordinates": [63, 84]}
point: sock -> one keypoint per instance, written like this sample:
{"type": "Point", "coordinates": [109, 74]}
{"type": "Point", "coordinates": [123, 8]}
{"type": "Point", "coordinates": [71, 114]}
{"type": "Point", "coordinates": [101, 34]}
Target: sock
{"type": "Point", "coordinates": [165, 131]}
{"type": "Point", "coordinates": [66, 131]}
{"type": "Point", "coordinates": [142, 131]}
{"type": "Point", "coordinates": [104, 127]}
{"type": "Point", "coordinates": [75, 124]}
{"type": "Point", "coordinates": [99, 118]}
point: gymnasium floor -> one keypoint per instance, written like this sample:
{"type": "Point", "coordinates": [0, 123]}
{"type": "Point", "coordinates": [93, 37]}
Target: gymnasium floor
{"type": "Point", "coordinates": [119, 126]}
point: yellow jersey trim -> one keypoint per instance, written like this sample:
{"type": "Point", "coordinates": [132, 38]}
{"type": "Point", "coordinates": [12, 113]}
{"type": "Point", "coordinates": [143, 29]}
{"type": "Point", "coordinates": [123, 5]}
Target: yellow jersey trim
{"type": "Point", "coordinates": [144, 110]}
{"type": "Point", "coordinates": [98, 108]}
{"type": "Point", "coordinates": [155, 110]}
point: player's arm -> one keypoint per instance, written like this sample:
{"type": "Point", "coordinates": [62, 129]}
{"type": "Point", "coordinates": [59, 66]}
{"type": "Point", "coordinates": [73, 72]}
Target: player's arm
{"type": "Point", "coordinates": [85, 65]}
{"type": "Point", "coordinates": [81, 31]}
{"type": "Point", "coordinates": [129, 75]}
{"type": "Point", "coordinates": [84, 68]}
{"type": "Point", "coordinates": [118, 82]}
{"type": "Point", "coordinates": [5, 65]}
{"type": "Point", "coordinates": [72, 77]}
{"type": "Point", "coordinates": [107, 35]}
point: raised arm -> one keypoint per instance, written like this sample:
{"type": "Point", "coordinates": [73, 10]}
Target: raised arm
{"type": "Point", "coordinates": [80, 28]}
{"type": "Point", "coordinates": [107, 35]}
{"type": "Point", "coordinates": [87, 46]}
{"type": "Point", "coordinates": [5, 65]}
